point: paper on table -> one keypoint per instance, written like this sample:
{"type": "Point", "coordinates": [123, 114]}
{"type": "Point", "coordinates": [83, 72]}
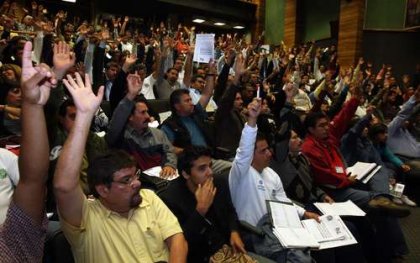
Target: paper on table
{"type": "Point", "coordinates": [204, 48]}
{"type": "Point", "coordinates": [155, 171]}
{"type": "Point", "coordinates": [347, 208]}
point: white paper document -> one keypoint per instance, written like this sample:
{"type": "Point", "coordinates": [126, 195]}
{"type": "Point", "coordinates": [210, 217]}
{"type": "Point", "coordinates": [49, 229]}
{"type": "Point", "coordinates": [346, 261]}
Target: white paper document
{"type": "Point", "coordinates": [330, 232]}
{"type": "Point", "coordinates": [364, 171]}
{"type": "Point", "coordinates": [287, 226]}
{"type": "Point", "coordinates": [293, 233]}
{"type": "Point", "coordinates": [347, 208]}
{"type": "Point", "coordinates": [204, 48]}
{"type": "Point", "coordinates": [155, 171]}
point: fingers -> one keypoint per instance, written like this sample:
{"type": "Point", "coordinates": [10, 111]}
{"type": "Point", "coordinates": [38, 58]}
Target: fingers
{"type": "Point", "coordinates": [37, 77]}
{"type": "Point", "coordinates": [27, 55]}
{"type": "Point", "coordinates": [101, 92]}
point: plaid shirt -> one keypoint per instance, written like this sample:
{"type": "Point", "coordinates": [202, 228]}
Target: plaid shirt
{"type": "Point", "coordinates": [21, 240]}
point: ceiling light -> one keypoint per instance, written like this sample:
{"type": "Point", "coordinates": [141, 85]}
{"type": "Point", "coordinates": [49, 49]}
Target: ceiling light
{"type": "Point", "coordinates": [198, 20]}
{"type": "Point", "coordinates": [219, 24]}
{"type": "Point", "coordinates": [238, 27]}
{"type": "Point", "coordinates": [71, 1]}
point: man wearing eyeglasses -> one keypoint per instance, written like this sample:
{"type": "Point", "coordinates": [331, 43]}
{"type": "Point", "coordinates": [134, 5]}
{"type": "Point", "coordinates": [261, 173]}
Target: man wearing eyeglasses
{"type": "Point", "coordinates": [123, 223]}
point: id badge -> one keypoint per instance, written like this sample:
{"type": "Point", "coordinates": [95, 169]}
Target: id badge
{"type": "Point", "coordinates": [339, 169]}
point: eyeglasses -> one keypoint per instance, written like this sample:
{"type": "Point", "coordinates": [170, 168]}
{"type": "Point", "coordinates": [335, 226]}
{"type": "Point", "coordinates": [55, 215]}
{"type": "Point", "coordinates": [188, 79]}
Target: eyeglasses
{"type": "Point", "coordinates": [129, 180]}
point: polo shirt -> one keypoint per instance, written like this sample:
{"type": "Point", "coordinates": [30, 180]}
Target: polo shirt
{"type": "Point", "coordinates": [106, 236]}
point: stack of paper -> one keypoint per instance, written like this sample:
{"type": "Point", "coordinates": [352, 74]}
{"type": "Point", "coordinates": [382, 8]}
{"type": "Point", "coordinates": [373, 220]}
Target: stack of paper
{"type": "Point", "coordinates": [340, 208]}
{"type": "Point", "coordinates": [364, 171]}
{"type": "Point", "coordinates": [293, 233]}
{"type": "Point", "coordinates": [155, 172]}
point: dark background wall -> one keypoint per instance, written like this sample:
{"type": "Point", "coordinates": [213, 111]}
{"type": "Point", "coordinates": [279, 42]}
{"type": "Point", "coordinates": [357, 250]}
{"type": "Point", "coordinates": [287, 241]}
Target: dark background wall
{"type": "Point", "coordinates": [401, 49]}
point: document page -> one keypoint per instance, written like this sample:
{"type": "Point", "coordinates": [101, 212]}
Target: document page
{"type": "Point", "coordinates": [204, 48]}
{"type": "Point", "coordinates": [155, 171]}
{"type": "Point", "coordinates": [347, 208]}
{"type": "Point", "coordinates": [330, 232]}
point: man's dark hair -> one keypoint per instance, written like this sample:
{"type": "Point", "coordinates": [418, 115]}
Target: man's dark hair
{"type": "Point", "coordinates": [260, 137]}
{"type": "Point", "coordinates": [101, 170]}
{"type": "Point", "coordinates": [62, 111]}
{"type": "Point", "coordinates": [312, 118]}
{"type": "Point", "coordinates": [190, 154]}
{"type": "Point", "coordinates": [175, 98]}
{"type": "Point", "coordinates": [139, 99]}
{"type": "Point", "coordinates": [112, 64]}
{"type": "Point", "coordinates": [195, 77]}
{"type": "Point", "coordinates": [377, 129]}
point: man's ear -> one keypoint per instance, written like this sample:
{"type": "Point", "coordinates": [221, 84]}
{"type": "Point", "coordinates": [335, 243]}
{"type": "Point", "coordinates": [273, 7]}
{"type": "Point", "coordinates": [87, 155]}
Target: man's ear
{"type": "Point", "coordinates": [176, 106]}
{"type": "Point", "coordinates": [102, 190]}
{"type": "Point", "coordinates": [185, 175]}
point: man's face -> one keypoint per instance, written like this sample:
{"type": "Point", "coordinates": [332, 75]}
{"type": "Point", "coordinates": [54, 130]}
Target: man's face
{"type": "Point", "coordinates": [238, 103]}
{"type": "Point", "coordinates": [178, 64]}
{"type": "Point", "coordinates": [320, 131]}
{"type": "Point", "coordinates": [295, 143]}
{"type": "Point", "coordinates": [262, 154]}
{"type": "Point", "coordinates": [198, 84]}
{"type": "Point", "coordinates": [382, 137]}
{"type": "Point", "coordinates": [200, 171]}
{"type": "Point", "coordinates": [111, 73]}
{"type": "Point", "coordinates": [124, 193]}
{"type": "Point", "coordinates": [68, 120]}
{"type": "Point", "coordinates": [140, 118]}
{"type": "Point", "coordinates": [185, 107]}
{"type": "Point", "coordinates": [9, 75]}
{"type": "Point", "coordinates": [172, 75]}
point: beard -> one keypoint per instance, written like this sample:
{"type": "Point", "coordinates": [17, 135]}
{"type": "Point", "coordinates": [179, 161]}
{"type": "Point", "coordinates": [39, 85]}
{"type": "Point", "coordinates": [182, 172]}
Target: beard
{"type": "Point", "coordinates": [136, 200]}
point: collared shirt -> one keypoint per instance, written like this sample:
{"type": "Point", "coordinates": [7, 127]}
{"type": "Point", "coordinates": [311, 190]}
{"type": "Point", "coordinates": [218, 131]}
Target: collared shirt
{"type": "Point", "coordinates": [106, 236]}
{"type": "Point", "coordinates": [195, 97]}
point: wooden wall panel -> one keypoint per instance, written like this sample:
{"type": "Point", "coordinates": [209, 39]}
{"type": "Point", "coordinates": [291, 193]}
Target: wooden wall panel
{"type": "Point", "coordinates": [290, 36]}
{"type": "Point", "coordinates": [350, 31]}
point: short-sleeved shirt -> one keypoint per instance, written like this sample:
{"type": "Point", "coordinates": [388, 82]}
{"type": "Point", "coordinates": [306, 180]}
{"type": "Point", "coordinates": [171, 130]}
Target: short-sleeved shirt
{"type": "Point", "coordinates": [9, 178]}
{"type": "Point", "coordinates": [106, 236]}
{"type": "Point", "coordinates": [21, 239]}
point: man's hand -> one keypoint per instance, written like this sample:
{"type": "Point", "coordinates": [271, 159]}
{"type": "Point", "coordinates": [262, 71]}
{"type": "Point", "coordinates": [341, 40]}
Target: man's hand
{"type": "Point", "coordinates": [254, 109]}
{"type": "Point", "coordinates": [134, 84]}
{"type": "Point", "coordinates": [85, 100]}
{"type": "Point", "coordinates": [328, 199]}
{"type": "Point", "coordinates": [167, 171]}
{"type": "Point", "coordinates": [37, 82]}
{"type": "Point", "coordinates": [240, 65]}
{"type": "Point", "coordinates": [204, 195]}
{"type": "Point", "coordinates": [405, 168]}
{"type": "Point", "coordinates": [311, 215]}
{"type": "Point", "coordinates": [63, 59]}
{"type": "Point", "coordinates": [129, 61]}
{"type": "Point", "coordinates": [352, 178]}
{"type": "Point", "coordinates": [236, 243]}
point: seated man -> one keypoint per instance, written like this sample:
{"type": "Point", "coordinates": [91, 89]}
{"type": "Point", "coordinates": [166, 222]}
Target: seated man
{"type": "Point", "coordinates": [403, 130]}
{"type": "Point", "coordinates": [321, 147]}
{"type": "Point", "coordinates": [23, 233]}
{"type": "Point", "coordinates": [203, 206]}
{"type": "Point", "coordinates": [123, 223]}
{"type": "Point", "coordinates": [129, 130]}
{"type": "Point", "coordinates": [9, 178]}
{"type": "Point", "coordinates": [252, 182]}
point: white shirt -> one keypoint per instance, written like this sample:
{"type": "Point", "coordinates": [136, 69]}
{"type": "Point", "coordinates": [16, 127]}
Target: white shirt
{"type": "Point", "coordinates": [147, 88]}
{"type": "Point", "coordinates": [249, 188]}
{"type": "Point", "coordinates": [195, 97]}
{"type": "Point", "coordinates": [9, 178]}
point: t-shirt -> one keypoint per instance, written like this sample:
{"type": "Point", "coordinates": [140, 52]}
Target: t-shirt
{"type": "Point", "coordinates": [9, 178]}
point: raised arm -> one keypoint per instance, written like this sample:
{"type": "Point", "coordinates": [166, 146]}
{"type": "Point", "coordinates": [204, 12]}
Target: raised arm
{"type": "Point", "coordinates": [210, 82]}
{"type": "Point", "coordinates": [33, 161]}
{"type": "Point", "coordinates": [67, 190]}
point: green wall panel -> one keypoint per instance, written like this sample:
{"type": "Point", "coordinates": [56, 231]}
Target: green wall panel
{"type": "Point", "coordinates": [385, 14]}
{"type": "Point", "coordinates": [317, 15]}
{"type": "Point", "coordinates": [274, 21]}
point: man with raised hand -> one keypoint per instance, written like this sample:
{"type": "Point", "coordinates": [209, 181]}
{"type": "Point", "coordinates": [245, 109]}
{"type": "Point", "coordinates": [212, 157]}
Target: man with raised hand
{"type": "Point", "coordinates": [123, 224]}
{"type": "Point", "coordinates": [23, 233]}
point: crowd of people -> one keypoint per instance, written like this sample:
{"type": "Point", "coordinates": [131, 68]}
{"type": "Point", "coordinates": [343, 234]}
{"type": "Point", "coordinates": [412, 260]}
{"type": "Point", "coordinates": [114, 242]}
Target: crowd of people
{"type": "Point", "coordinates": [85, 109]}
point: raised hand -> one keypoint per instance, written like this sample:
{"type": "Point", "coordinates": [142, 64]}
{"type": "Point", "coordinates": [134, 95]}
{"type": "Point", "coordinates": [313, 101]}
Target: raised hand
{"type": "Point", "coordinates": [36, 82]}
{"type": "Point", "coordinates": [134, 84]}
{"type": "Point", "coordinates": [85, 100]}
{"type": "Point", "coordinates": [129, 61]}
{"type": "Point", "coordinates": [205, 195]}
{"type": "Point", "coordinates": [63, 59]}
{"type": "Point", "coordinates": [254, 109]}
